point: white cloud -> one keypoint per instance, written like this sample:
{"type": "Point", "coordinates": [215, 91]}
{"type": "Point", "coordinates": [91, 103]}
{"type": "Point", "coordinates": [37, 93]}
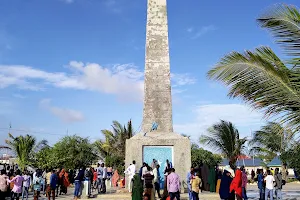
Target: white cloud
{"type": "Point", "coordinates": [125, 81]}
{"type": "Point", "coordinates": [19, 96]}
{"type": "Point", "coordinates": [203, 30]}
{"type": "Point", "coordinates": [182, 79]}
{"type": "Point", "coordinates": [110, 3]}
{"type": "Point", "coordinates": [66, 115]}
{"type": "Point", "coordinates": [190, 29]}
{"type": "Point", "coordinates": [113, 6]}
{"type": "Point", "coordinates": [240, 115]}
{"type": "Point", "coordinates": [68, 1]}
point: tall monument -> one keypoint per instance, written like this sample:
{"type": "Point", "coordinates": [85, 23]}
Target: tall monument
{"type": "Point", "coordinates": [157, 139]}
{"type": "Point", "coordinates": [157, 99]}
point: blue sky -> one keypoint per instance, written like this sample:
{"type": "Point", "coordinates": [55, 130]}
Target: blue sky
{"type": "Point", "coordinates": [77, 65]}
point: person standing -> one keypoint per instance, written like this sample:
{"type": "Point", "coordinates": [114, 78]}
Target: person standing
{"type": "Point", "coordinates": [173, 185]}
{"type": "Point", "coordinates": [101, 178]}
{"type": "Point", "coordinates": [11, 175]}
{"type": "Point", "coordinates": [269, 179]}
{"type": "Point", "coordinates": [260, 184]}
{"type": "Point", "coordinates": [52, 185]}
{"type": "Point", "coordinates": [219, 177]}
{"type": "Point", "coordinates": [104, 178]}
{"type": "Point", "coordinates": [37, 185]}
{"type": "Point", "coordinates": [244, 183]}
{"type": "Point", "coordinates": [236, 185]}
{"type": "Point", "coordinates": [64, 181]}
{"type": "Point", "coordinates": [17, 189]}
{"type": "Point", "coordinates": [48, 190]}
{"type": "Point", "coordinates": [78, 179]}
{"type": "Point", "coordinates": [130, 171]}
{"type": "Point", "coordinates": [224, 191]}
{"type": "Point", "coordinates": [44, 182]}
{"type": "Point", "coordinates": [141, 172]}
{"type": "Point", "coordinates": [3, 184]}
{"type": "Point", "coordinates": [58, 182]}
{"type": "Point", "coordinates": [153, 164]}
{"type": "Point", "coordinates": [26, 185]}
{"type": "Point", "coordinates": [252, 175]}
{"type": "Point", "coordinates": [91, 176]}
{"type": "Point", "coordinates": [189, 177]}
{"type": "Point", "coordinates": [156, 180]}
{"type": "Point", "coordinates": [278, 184]}
{"type": "Point", "coordinates": [148, 182]}
{"type": "Point", "coordinates": [195, 186]}
{"type": "Point", "coordinates": [137, 188]}
{"type": "Point", "coordinates": [168, 165]}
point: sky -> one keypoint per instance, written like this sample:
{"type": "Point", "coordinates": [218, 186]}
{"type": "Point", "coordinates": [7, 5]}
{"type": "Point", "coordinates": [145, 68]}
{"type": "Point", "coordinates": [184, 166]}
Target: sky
{"type": "Point", "coordinates": [73, 66]}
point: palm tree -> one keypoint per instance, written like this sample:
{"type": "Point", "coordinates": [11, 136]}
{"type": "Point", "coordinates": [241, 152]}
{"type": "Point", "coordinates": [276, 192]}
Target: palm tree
{"type": "Point", "coordinates": [225, 138]}
{"type": "Point", "coordinates": [24, 147]}
{"type": "Point", "coordinates": [259, 77]}
{"type": "Point", "coordinates": [115, 140]}
{"type": "Point", "coordinates": [272, 140]}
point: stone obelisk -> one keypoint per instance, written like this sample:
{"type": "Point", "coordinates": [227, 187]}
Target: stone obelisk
{"type": "Point", "coordinates": [157, 99]}
{"type": "Point", "coordinates": [161, 144]}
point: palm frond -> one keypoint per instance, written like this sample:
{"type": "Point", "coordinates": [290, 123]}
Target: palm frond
{"type": "Point", "coordinates": [263, 81]}
{"type": "Point", "coordinates": [5, 147]}
{"type": "Point", "coordinates": [273, 138]}
{"type": "Point", "coordinates": [283, 21]}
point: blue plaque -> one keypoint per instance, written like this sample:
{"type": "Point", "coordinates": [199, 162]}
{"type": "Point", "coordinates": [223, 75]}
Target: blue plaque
{"type": "Point", "coordinates": [159, 153]}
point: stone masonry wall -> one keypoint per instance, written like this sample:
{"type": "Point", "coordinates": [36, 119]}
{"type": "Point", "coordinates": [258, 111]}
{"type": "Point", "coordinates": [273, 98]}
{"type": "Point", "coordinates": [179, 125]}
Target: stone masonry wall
{"type": "Point", "coordinates": [157, 99]}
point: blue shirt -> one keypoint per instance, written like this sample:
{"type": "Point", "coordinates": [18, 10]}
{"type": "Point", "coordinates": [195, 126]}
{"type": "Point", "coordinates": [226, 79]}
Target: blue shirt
{"type": "Point", "coordinates": [189, 177]}
{"type": "Point", "coordinates": [37, 183]}
{"type": "Point", "coordinates": [53, 180]}
{"type": "Point", "coordinates": [80, 175]}
{"type": "Point", "coordinates": [260, 181]}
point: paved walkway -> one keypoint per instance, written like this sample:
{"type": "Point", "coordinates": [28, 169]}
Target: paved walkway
{"type": "Point", "coordinates": [290, 192]}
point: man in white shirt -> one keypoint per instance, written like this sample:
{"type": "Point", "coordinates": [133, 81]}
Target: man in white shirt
{"type": "Point", "coordinates": [269, 179]}
{"type": "Point", "coordinates": [130, 171]}
{"type": "Point", "coordinates": [144, 170]}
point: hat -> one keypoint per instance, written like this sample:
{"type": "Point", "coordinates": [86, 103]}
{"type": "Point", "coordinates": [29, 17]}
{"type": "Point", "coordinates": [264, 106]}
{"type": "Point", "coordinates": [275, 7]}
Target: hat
{"type": "Point", "coordinates": [227, 168]}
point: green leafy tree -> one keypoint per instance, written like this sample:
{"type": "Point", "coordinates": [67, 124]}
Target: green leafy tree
{"type": "Point", "coordinates": [200, 155]}
{"type": "Point", "coordinates": [223, 137]}
{"type": "Point", "coordinates": [45, 159]}
{"type": "Point", "coordinates": [24, 147]}
{"type": "Point", "coordinates": [260, 77]}
{"type": "Point", "coordinates": [72, 152]}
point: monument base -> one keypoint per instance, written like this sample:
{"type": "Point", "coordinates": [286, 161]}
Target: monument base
{"type": "Point", "coordinates": [160, 146]}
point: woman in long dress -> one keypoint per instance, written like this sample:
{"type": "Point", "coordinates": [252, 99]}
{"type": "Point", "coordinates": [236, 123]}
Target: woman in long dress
{"type": "Point", "coordinates": [64, 181]}
{"type": "Point", "coordinates": [137, 189]}
{"type": "Point", "coordinates": [236, 184]}
{"type": "Point", "coordinates": [115, 178]}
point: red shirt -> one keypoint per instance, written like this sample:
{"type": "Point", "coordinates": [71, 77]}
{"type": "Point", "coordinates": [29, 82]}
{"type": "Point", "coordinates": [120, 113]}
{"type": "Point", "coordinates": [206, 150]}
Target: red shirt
{"type": "Point", "coordinates": [95, 176]}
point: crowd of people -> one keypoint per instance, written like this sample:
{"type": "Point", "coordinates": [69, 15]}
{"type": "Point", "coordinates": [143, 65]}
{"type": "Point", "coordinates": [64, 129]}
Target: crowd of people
{"type": "Point", "coordinates": [233, 184]}
{"type": "Point", "coordinates": [16, 184]}
{"type": "Point", "coordinates": [145, 182]}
